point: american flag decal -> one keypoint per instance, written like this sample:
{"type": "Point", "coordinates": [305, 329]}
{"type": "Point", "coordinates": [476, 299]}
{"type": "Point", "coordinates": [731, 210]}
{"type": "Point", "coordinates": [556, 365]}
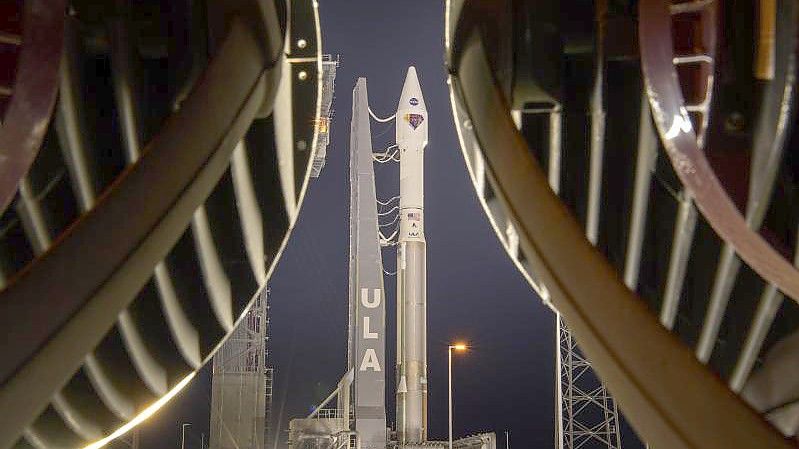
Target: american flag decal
{"type": "Point", "coordinates": [415, 216]}
{"type": "Point", "coordinates": [414, 120]}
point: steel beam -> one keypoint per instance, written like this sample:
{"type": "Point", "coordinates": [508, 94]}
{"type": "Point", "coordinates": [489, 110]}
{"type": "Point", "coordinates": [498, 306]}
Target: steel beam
{"type": "Point", "coordinates": [644, 167]}
{"type": "Point", "coordinates": [684, 228]}
{"type": "Point", "coordinates": [670, 398]}
{"type": "Point", "coordinates": [211, 121]}
{"type": "Point", "coordinates": [777, 105]}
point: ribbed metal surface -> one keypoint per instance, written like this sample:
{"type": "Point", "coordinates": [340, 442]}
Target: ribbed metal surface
{"type": "Point", "coordinates": [646, 222]}
{"type": "Point", "coordinates": [126, 72]}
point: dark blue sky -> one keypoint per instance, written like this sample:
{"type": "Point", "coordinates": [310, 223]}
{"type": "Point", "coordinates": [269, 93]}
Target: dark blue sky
{"type": "Point", "coordinates": [474, 291]}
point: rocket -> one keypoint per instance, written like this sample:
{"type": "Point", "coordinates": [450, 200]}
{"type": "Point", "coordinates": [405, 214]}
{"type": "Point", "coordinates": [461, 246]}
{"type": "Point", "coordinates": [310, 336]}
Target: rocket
{"type": "Point", "coordinates": [411, 138]}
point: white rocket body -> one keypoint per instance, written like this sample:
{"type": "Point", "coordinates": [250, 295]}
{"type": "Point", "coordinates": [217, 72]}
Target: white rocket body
{"type": "Point", "coordinates": [411, 124]}
{"type": "Point", "coordinates": [411, 127]}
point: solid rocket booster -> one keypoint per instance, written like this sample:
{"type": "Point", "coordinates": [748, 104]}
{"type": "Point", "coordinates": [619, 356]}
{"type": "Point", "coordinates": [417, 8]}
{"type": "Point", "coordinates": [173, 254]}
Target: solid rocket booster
{"type": "Point", "coordinates": [411, 125]}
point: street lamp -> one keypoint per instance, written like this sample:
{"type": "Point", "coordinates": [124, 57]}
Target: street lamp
{"type": "Point", "coordinates": [460, 347]}
{"type": "Point", "coordinates": [183, 434]}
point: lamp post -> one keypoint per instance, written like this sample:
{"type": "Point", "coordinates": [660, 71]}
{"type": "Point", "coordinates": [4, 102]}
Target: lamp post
{"type": "Point", "coordinates": [458, 347]}
{"type": "Point", "coordinates": [183, 434]}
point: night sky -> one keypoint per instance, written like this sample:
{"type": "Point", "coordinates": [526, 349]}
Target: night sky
{"type": "Point", "coordinates": [475, 294]}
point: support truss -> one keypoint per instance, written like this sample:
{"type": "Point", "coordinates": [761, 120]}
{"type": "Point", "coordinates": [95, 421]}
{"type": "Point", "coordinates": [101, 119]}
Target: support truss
{"type": "Point", "coordinates": [587, 414]}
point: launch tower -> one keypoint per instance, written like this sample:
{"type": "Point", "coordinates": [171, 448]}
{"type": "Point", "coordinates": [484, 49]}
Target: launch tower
{"type": "Point", "coordinates": [241, 388]}
{"type": "Point", "coordinates": [357, 419]}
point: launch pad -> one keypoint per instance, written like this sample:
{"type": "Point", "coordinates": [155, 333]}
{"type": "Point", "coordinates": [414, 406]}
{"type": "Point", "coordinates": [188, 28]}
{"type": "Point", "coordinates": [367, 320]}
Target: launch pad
{"type": "Point", "coordinates": [357, 417]}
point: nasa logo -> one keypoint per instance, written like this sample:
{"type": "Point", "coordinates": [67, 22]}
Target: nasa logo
{"type": "Point", "coordinates": [413, 101]}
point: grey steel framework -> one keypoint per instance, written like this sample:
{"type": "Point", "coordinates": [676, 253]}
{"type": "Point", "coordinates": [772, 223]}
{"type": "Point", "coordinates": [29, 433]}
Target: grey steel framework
{"type": "Point", "coordinates": [154, 211]}
{"type": "Point", "coordinates": [692, 242]}
{"type": "Point", "coordinates": [241, 387]}
{"type": "Point", "coordinates": [329, 67]}
{"type": "Point", "coordinates": [269, 379]}
{"type": "Point", "coordinates": [588, 416]}
{"type": "Point", "coordinates": [326, 430]}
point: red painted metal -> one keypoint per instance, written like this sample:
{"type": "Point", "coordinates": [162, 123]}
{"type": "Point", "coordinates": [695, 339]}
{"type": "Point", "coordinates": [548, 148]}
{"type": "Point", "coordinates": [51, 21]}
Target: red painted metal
{"type": "Point", "coordinates": [679, 137]}
{"type": "Point", "coordinates": [33, 88]}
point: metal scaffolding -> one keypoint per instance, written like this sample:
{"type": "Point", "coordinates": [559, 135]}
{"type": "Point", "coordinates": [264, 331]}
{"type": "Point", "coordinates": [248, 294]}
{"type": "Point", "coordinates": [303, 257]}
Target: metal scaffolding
{"type": "Point", "coordinates": [329, 67]}
{"type": "Point", "coordinates": [241, 389]}
{"type": "Point", "coordinates": [587, 414]}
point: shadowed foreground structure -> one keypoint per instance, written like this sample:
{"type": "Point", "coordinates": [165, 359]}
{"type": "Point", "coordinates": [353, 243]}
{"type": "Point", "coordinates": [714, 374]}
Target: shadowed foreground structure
{"type": "Point", "coordinates": [642, 176]}
{"type": "Point", "coordinates": [148, 204]}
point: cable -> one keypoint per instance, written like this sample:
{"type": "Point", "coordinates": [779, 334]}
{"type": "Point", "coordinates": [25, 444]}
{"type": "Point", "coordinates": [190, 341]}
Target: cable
{"type": "Point", "coordinates": [382, 159]}
{"type": "Point", "coordinates": [386, 155]}
{"type": "Point", "coordinates": [383, 214]}
{"type": "Point", "coordinates": [381, 120]}
{"type": "Point", "coordinates": [385, 150]}
{"type": "Point", "coordinates": [389, 201]}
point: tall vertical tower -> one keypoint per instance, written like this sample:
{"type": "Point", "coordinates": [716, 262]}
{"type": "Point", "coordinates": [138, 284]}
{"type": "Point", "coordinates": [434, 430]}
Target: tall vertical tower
{"type": "Point", "coordinates": [587, 414]}
{"type": "Point", "coordinates": [241, 387]}
{"type": "Point", "coordinates": [367, 324]}
{"type": "Point", "coordinates": [411, 129]}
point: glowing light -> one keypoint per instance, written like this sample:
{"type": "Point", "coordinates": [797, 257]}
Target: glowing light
{"type": "Point", "coordinates": [148, 412]}
{"type": "Point", "coordinates": [323, 124]}
{"type": "Point", "coordinates": [460, 347]}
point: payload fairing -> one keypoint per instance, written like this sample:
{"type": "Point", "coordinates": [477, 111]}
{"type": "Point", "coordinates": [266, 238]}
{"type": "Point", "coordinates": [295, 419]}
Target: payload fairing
{"type": "Point", "coordinates": [411, 134]}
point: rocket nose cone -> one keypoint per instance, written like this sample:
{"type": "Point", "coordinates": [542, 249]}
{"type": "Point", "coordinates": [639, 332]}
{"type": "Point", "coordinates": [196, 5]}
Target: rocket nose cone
{"type": "Point", "coordinates": [411, 92]}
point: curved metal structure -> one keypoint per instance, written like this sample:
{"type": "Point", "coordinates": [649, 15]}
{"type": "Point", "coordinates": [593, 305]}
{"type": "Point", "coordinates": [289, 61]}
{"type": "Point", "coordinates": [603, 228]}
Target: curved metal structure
{"type": "Point", "coordinates": [31, 39]}
{"type": "Point", "coordinates": [156, 208]}
{"type": "Point", "coordinates": [676, 130]}
{"type": "Point", "coordinates": [594, 201]}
